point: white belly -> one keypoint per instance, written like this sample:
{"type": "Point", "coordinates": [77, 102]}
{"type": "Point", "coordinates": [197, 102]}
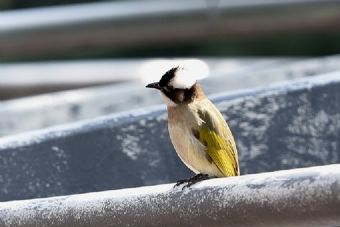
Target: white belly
{"type": "Point", "coordinates": [191, 151]}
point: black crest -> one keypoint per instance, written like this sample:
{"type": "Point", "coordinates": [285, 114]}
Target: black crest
{"type": "Point", "coordinates": [168, 76]}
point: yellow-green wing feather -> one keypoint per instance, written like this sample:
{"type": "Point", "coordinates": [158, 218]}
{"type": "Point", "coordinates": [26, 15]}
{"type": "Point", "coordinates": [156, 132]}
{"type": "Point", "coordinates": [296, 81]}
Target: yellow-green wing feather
{"type": "Point", "coordinates": [214, 133]}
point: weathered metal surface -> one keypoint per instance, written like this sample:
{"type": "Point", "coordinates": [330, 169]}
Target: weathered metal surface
{"type": "Point", "coordinates": [294, 124]}
{"type": "Point", "coordinates": [300, 197]}
{"type": "Point", "coordinates": [82, 28]}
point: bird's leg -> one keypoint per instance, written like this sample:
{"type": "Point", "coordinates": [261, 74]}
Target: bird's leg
{"type": "Point", "coordinates": [192, 180]}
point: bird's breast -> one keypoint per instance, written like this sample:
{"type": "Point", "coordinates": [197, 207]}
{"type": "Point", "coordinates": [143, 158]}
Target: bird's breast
{"type": "Point", "coordinates": [190, 150]}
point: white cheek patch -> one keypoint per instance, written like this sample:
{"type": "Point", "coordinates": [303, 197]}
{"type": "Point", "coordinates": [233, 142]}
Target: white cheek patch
{"type": "Point", "coordinates": [168, 101]}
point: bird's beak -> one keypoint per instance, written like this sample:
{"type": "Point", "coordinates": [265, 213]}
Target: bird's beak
{"type": "Point", "coordinates": [154, 85]}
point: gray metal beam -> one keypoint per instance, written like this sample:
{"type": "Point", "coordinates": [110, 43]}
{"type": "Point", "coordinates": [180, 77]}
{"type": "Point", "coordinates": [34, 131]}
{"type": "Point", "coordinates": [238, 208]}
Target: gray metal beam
{"type": "Point", "coordinates": [299, 197]}
{"type": "Point", "coordinates": [36, 32]}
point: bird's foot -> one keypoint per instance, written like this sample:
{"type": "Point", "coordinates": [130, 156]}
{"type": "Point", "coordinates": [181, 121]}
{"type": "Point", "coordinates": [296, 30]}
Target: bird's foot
{"type": "Point", "coordinates": [193, 180]}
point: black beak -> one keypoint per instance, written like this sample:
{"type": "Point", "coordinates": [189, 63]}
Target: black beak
{"type": "Point", "coordinates": [154, 85]}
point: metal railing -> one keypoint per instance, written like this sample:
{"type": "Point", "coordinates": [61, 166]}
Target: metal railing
{"type": "Point", "coordinates": [297, 197]}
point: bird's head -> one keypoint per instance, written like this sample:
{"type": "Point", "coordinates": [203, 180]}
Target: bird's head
{"type": "Point", "coordinates": [177, 86]}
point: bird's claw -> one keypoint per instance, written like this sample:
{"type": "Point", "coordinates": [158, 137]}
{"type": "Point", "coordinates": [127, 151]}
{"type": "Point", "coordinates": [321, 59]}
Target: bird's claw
{"type": "Point", "coordinates": [193, 180]}
{"type": "Point", "coordinates": [179, 182]}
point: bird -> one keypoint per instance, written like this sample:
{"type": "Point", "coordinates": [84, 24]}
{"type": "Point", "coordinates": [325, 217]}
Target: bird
{"type": "Point", "coordinates": [198, 131]}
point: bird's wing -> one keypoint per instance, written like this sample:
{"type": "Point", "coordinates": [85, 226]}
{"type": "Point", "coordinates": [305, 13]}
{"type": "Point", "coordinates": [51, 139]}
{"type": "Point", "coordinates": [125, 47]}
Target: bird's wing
{"type": "Point", "coordinates": [215, 134]}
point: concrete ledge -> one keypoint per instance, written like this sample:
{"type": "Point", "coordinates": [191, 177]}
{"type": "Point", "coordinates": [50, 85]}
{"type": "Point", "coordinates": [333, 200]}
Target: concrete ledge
{"type": "Point", "coordinates": [300, 197]}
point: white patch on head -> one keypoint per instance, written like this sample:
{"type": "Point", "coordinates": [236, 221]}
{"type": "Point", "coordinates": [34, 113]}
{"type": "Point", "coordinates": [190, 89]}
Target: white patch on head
{"type": "Point", "coordinates": [151, 70]}
{"type": "Point", "coordinates": [182, 79]}
{"type": "Point", "coordinates": [168, 101]}
{"type": "Point", "coordinates": [188, 73]}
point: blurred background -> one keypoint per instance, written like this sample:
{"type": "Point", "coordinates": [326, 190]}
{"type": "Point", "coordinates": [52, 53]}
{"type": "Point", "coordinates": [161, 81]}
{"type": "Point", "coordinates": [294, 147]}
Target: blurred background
{"type": "Point", "coordinates": [63, 61]}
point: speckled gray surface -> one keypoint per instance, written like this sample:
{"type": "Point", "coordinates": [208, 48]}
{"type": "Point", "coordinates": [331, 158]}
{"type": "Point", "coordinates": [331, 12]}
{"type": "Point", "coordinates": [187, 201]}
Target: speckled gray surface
{"type": "Point", "coordinates": [300, 197]}
{"type": "Point", "coordinates": [294, 124]}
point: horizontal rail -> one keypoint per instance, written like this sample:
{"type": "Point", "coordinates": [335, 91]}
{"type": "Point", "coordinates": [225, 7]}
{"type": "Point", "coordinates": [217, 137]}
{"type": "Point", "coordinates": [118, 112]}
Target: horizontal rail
{"type": "Point", "coordinates": [297, 197]}
{"type": "Point", "coordinates": [24, 79]}
{"type": "Point", "coordinates": [68, 72]}
{"type": "Point", "coordinates": [119, 25]}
